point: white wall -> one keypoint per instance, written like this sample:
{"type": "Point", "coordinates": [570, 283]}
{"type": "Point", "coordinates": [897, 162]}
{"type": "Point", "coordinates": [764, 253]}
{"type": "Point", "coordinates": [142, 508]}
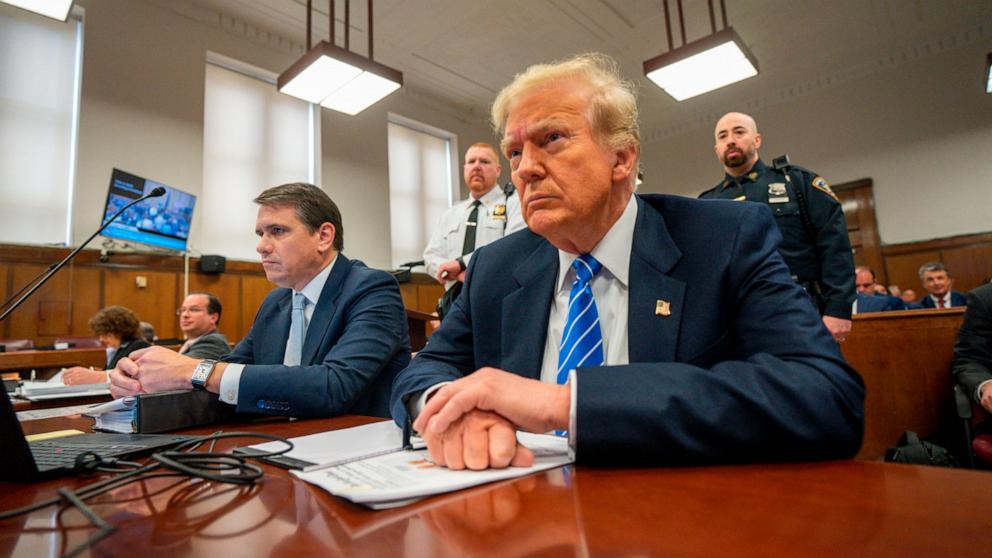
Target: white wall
{"type": "Point", "coordinates": [142, 111]}
{"type": "Point", "coordinates": [922, 130]}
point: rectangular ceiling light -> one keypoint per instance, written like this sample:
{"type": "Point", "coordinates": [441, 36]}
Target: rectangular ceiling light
{"type": "Point", "coordinates": [55, 9]}
{"type": "Point", "coordinates": [339, 79]}
{"type": "Point", "coordinates": [702, 66]}
{"type": "Point", "coordinates": [988, 73]}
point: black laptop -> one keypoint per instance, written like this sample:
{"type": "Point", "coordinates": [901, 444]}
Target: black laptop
{"type": "Point", "coordinates": [20, 460]}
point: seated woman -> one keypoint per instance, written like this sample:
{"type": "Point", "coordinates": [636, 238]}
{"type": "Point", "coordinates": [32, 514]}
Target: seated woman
{"type": "Point", "coordinates": [120, 331]}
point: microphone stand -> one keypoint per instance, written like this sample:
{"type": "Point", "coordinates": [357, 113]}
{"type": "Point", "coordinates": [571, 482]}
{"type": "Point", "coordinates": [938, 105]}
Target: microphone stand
{"type": "Point", "coordinates": [54, 269]}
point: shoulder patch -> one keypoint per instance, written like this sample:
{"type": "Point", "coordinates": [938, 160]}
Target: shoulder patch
{"type": "Point", "coordinates": [820, 184]}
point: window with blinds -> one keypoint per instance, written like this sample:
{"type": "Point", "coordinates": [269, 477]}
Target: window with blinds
{"type": "Point", "coordinates": [253, 138]}
{"type": "Point", "coordinates": [40, 69]}
{"type": "Point", "coordinates": [422, 184]}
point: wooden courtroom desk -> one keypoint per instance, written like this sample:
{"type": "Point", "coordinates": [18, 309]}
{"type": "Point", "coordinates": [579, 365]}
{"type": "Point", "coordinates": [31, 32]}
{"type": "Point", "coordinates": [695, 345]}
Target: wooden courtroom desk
{"type": "Point", "coordinates": [905, 360]}
{"type": "Point", "coordinates": [25, 361]}
{"type": "Point", "coordinates": [833, 509]}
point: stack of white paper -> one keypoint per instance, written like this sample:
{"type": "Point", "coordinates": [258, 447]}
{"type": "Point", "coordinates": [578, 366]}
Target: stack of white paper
{"type": "Point", "coordinates": [55, 389]}
{"type": "Point", "coordinates": [368, 465]}
{"type": "Point", "coordinates": [115, 416]}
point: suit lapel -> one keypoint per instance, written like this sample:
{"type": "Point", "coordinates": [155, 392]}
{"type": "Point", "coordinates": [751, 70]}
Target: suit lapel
{"type": "Point", "coordinates": [320, 321]}
{"type": "Point", "coordinates": [652, 337]}
{"type": "Point", "coordinates": [525, 312]}
{"type": "Point", "coordinates": [273, 349]}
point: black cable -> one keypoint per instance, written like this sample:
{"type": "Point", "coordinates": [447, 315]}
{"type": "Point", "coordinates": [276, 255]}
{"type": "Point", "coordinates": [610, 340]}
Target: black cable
{"type": "Point", "coordinates": [182, 461]}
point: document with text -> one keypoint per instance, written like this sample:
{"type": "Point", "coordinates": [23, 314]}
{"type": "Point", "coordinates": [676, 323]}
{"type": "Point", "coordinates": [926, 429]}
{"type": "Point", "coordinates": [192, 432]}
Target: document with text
{"type": "Point", "coordinates": [402, 477]}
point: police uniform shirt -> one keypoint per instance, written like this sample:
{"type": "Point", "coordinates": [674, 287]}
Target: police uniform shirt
{"type": "Point", "coordinates": [499, 215]}
{"type": "Point", "coordinates": [826, 258]}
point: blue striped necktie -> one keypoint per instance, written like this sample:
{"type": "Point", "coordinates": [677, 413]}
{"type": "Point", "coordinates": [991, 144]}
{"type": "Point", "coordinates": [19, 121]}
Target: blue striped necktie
{"type": "Point", "coordinates": [582, 339]}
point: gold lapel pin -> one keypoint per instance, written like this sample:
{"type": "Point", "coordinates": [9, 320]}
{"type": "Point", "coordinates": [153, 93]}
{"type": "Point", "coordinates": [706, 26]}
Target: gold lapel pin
{"type": "Point", "coordinates": [663, 308]}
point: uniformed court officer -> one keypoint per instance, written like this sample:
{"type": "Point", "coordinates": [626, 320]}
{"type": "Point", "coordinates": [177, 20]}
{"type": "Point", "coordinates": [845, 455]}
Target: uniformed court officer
{"type": "Point", "coordinates": [486, 215]}
{"type": "Point", "coordinates": [815, 244]}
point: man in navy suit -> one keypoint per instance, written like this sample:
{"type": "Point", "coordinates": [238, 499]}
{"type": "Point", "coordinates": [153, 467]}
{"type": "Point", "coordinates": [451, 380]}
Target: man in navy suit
{"type": "Point", "coordinates": [330, 341]}
{"type": "Point", "coordinates": [868, 300]}
{"type": "Point", "coordinates": [937, 281]}
{"type": "Point", "coordinates": [651, 328]}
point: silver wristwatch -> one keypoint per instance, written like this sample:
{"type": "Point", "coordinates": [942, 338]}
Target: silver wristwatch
{"type": "Point", "coordinates": [202, 373]}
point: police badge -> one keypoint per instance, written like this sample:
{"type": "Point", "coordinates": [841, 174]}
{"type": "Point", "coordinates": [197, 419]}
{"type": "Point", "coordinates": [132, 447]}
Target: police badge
{"type": "Point", "coordinates": [777, 193]}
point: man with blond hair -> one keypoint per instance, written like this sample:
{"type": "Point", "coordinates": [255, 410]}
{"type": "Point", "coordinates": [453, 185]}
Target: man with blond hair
{"type": "Point", "coordinates": [648, 328]}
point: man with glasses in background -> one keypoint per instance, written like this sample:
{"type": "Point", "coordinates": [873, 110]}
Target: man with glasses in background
{"type": "Point", "coordinates": [198, 318]}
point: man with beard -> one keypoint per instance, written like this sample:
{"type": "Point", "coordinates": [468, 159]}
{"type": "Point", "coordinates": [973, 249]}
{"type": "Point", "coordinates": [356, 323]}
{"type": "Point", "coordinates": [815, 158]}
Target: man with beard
{"type": "Point", "coordinates": [814, 244]}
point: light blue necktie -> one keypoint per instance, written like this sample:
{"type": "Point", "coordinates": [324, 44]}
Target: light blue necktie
{"type": "Point", "coordinates": [297, 332]}
{"type": "Point", "coordinates": [582, 339]}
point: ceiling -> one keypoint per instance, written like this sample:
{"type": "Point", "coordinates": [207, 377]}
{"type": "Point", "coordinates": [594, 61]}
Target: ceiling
{"type": "Point", "coordinates": [463, 51]}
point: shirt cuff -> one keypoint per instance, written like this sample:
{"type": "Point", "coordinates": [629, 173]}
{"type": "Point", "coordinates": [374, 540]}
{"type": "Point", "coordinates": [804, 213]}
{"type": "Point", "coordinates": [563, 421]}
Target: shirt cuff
{"type": "Point", "coordinates": [230, 382]}
{"type": "Point", "coordinates": [978, 390]}
{"type": "Point", "coordinates": [573, 386]}
{"type": "Point", "coordinates": [415, 403]}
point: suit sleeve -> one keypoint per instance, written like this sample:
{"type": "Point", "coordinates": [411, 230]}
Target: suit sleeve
{"type": "Point", "coordinates": [374, 330]}
{"type": "Point", "coordinates": [973, 349]}
{"type": "Point", "coordinates": [779, 391]}
{"type": "Point", "coordinates": [448, 355]}
{"type": "Point", "coordinates": [211, 346]}
{"type": "Point", "coordinates": [833, 247]}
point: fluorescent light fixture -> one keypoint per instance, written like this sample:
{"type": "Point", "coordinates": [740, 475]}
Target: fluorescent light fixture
{"type": "Point", "coordinates": [55, 9]}
{"type": "Point", "coordinates": [702, 66]}
{"type": "Point", "coordinates": [988, 73]}
{"type": "Point", "coordinates": [339, 79]}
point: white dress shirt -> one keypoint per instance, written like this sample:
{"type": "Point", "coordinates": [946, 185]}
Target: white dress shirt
{"type": "Point", "coordinates": [610, 289]}
{"type": "Point", "coordinates": [230, 382]}
{"type": "Point", "coordinates": [946, 298]}
{"type": "Point", "coordinates": [449, 235]}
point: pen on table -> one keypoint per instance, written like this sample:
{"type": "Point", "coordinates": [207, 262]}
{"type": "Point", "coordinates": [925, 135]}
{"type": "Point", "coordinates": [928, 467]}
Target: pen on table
{"type": "Point", "coordinates": [407, 432]}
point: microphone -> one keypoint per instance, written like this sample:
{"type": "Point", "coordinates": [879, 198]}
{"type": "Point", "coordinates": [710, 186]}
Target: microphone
{"type": "Point", "coordinates": [52, 270]}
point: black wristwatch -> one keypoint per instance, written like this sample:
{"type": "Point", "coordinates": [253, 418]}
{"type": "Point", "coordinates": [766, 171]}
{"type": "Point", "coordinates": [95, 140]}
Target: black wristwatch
{"type": "Point", "coordinates": [202, 373]}
{"type": "Point", "coordinates": [461, 263]}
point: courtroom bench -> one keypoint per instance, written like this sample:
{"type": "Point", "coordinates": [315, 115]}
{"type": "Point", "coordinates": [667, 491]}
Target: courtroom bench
{"type": "Point", "coordinates": [905, 360]}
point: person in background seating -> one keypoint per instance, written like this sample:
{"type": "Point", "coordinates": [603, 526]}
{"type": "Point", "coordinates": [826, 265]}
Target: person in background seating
{"type": "Point", "coordinates": [119, 330]}
{"type": "Point", "coordinates": [198, 318]}
{"type": "Point", "coordinates": [937, 280]}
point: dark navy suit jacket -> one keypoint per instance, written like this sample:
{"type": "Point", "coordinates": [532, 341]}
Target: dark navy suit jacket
{"type": "Point", "coordinates": [742, 370]}
{"type": "Point", "coordinates": [957, 299]}
{"type": "Point", "coordinates": [356, 342]}
{"type": "Point", "coordinates": [879, 303]}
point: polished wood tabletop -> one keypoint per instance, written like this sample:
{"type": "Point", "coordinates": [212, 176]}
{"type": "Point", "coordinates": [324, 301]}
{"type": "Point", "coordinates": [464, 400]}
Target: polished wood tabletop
{"type": "Point", "coordinates": [832, 509]}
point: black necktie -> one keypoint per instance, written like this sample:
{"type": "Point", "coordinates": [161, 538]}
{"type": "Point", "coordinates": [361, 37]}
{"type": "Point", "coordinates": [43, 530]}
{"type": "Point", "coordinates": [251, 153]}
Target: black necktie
{"type": "Point", "coordinates": [469, 245]}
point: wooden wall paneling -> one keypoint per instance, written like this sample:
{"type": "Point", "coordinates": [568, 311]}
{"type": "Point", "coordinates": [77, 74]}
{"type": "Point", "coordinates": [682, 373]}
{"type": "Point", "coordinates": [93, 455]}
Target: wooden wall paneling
{"type": "Point", "coordinates": [156, 303]}
{"type": "Point", "coordinates": [858, 201]}
{"type": "Point", "coordinates": [254, 289]}
{"type": "Point", "coordinates": [902, 269]}
{"type": "Point", "coordinates": [226, 287]}
{"type": "Point", "coordinates": [46, 315]}
{"type": "Point", "coordinates": [5, 292]}
{"type": "Point", "coordinates": [86, 297]}
{"type": "Point", "coordinates": [969, 265]}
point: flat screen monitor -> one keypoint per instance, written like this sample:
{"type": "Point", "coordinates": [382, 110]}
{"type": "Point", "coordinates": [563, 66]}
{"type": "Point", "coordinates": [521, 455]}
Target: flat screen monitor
{"type": "Point", "coordinates": [163, 221]}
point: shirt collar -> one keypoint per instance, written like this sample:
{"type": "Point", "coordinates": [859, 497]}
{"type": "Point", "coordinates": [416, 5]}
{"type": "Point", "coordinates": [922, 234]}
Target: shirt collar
{"type": "Point", "coordinates": [756, 171]}
{"type": "Point", "coordinates": [313, 289]}
{"type": "Point", "coordinates": [613, 251]}
{"type": "Point", "coordinates": [946, 298]}
{"type": "Point", "coordinates": [493, 196]}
